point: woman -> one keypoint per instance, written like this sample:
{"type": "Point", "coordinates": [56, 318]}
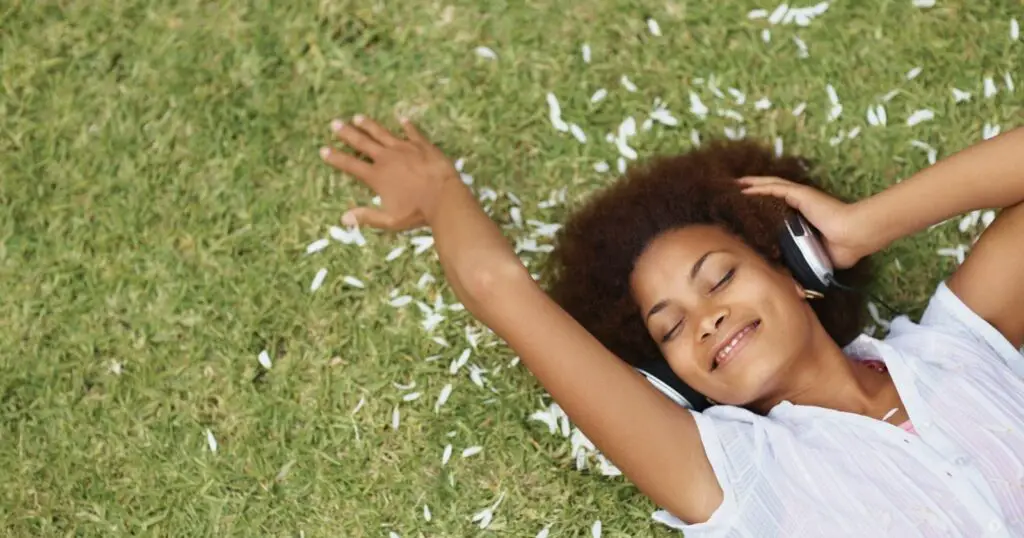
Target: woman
{"type": "Point", "coordinates": [806, 441]}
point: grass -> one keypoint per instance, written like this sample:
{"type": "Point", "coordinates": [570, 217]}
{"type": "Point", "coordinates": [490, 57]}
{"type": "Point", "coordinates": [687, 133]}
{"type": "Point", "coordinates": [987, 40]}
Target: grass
{"type": "Point", "coordinates": [159, 183]}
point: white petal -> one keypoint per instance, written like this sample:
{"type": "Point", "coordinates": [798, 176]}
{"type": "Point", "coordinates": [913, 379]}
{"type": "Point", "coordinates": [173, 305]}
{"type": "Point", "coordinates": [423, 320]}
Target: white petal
{"type": "Point", "coordinates": [578, 133]}
{"type": "Point", "coordinates": [990, 131]}
{"type": "Point", "coordinates": [621, 163]}
{"type": "Point", "coordinates": [853, 132]}
{"type": "Point", "coordinates": [442, 398]}
{"type": "Point", "coordinates": [920, 116]}
{"type": "Point", "coordinates": [778, 14]}
{"type": "Point", "coordinates": [447, 455]}
{"type": "Point", "coordinates": [318, 280]}
{"type": "Point", "coordinates": [459, 163]}
{"type": "Point", "coordinates": [211, 441]}
{"type": "Point", "coordinates": [923, 3]}
{"type": "Point", "coordinates": [990, 87]}
{"type": "Point", "coordinates": [544, 532]}
{"type": "Point", "coordinates": [763, 104]}
{"type": "Point", "coordinates": [653, 26]}
{"type": "Point", "coordinates": [595, 529]}
{"type": "Point", "coordinates": [353, 281]}
{"type": "Point", "coordinates": [601, 167]}
{"type": "Point", "coordinates": [426, 513]}
{"type": "Point", "coordinates": [264, 359]}
{"type": "Point", "coordinates": [987, 218]}
{"type": "Point", "coordinates": [801, 47]}
{"type": "Point", "coordinates": [778, 146]}
{"type": "Point", "coordinates": [913, 73]}
{"type": "Point", "coordinates": [799, 109]}
{"type": "Point", "coordinates": [472, 451]}
{"type": "Point", "coordinates": [697, 107]}
{"type": "Point", "coordinates": [395, 418]}
{"type": "Point", "coordinates": [599, 95]}
{"type": "Point", "coordinates": [628, 84]}
{"type": "Point", "coordinates": [392, 534]}
{"type": "Point", "coordinates": [833, 97]}
{"type": "Point", "coordinates": [362, 402]}
{"type": "Point", "coordinates": [960, 96]}
{"type": "Point", "coordinates": [411, 396]}
{"type": "Point", "coordinates": [422, 243]}
{"type": "Point", "coordinates": [485, 52]}
{"type": "Point", "coordinates": [737, 95]}
{"type": "Point", "coordinates": [766, 35]}
{"type": "Point", "coordinates": [1014, 30]}
{"type": "Point", "coordinates": [585, 49]}
{"type": "Point", "coordinates": [1008, 81]}
{"type": "Point", "coordinates": [317, 246]}
{"type": "Point", "coordinates": [757, 14]}
{"type": "Point", "coordinates": [555, 113]}
{"type": "Point", "coordinates": [882, 116]}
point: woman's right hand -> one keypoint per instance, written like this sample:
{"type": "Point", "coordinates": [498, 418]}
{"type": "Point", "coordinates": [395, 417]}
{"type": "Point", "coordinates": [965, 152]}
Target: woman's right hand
{"type": "Point", "coordinates": [409, 174]}
{"type": "Point", "coordinates": [844, 232]}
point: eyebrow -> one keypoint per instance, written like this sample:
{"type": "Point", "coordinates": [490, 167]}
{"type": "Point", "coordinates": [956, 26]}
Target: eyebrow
{"type": "Point", "coordinates": [660, 305]}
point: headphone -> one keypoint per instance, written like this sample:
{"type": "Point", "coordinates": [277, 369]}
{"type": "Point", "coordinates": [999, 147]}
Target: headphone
{"type": "Point", "coordinates": [807, 260]}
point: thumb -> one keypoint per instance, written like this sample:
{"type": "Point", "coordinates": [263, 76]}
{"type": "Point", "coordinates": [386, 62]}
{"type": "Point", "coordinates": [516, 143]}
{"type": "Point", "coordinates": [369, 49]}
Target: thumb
{"type": "Point", "coordinates": [369, 216]}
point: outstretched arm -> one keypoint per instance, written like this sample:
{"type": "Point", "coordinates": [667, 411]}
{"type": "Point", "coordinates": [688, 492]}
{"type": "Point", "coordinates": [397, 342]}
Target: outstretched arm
{"type": "Point", "coordinates": [651, 439]}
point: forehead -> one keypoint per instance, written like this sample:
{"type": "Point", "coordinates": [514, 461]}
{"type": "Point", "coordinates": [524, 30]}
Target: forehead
{"type": "Point", "coordinates": [674, 252]}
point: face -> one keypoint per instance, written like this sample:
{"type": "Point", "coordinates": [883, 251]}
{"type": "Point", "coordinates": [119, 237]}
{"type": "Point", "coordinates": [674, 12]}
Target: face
{"type": "Point", "coordinates": [729, 323]}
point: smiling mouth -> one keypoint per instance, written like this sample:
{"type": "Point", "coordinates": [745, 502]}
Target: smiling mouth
{"type": "Point", "coordinates": [733, 347]}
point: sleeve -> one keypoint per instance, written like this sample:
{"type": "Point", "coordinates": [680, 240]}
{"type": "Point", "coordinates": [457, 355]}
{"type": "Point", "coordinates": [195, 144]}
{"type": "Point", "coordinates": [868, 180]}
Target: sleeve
{"type": "Point", "coordinates": [949, 315]}
{"type": "Point", "coordinates": [731, 442]}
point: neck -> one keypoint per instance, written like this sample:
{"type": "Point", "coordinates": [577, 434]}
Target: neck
{"type": "Point", "coordinates": [826, 377]}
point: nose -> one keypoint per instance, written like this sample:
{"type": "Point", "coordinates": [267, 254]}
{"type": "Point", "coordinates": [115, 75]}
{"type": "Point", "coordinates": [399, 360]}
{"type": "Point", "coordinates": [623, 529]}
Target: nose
{"type": "Point", "coordinates": [712, 321]}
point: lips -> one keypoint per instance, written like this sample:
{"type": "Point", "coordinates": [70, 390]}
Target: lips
{"type": "Point", "coordinates": [729, 347]}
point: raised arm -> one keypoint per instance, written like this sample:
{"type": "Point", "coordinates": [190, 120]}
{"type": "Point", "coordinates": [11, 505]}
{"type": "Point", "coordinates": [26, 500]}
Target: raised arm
{"type": "Point", "coordinates": [988, 175]}
{"type": "Point", "coordinates": [651, 439]}
{"type": "Point", "coordinates": [984, 176]}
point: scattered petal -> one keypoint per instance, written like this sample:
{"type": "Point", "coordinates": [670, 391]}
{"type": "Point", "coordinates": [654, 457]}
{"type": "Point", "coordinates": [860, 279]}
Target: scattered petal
{"type": "Point", "coordinates": [621, 164]}
{"type": "Point", "coordinates": [778, 146]}
{"type": "Point", "coordinates": [264, 359]}
{"type": "Point", "coordinates": [923, 3]}
{"type": "Point", "coordinates": [920, 116]}
{"type": "Point", "coordinates": [362, 402]}
{"type": "Point", "coordinates": [353, 281]}
{"type": "Point", "coordinates": [485, 52]}
{"type": "Point", "coordinates": [737, 95]}
{"type": "Point", "coordinates": [585, 49]}
{"type": "Point", "coordinates": [318, 280]}
{"type": "Point", "coordinates": [601, 167]}
{"type": "Point", "coordinates": [599, 95]}
{"type": "Point", "coordinates": [411, 397]}
{"type": "Point", "coordinates": [472, 451]}
{"type": "Point", "coordinates": [426, 512]}
{"type": "Point", "coordinates": [913, 73]}
{"type": "Point", "coordinates": [460, 362]}
{"type": "Point", "coordinates": [447, 455]}
{"type": "Point", "coordinates": [1014, 30]}
{"type": "Point", "coordinates": [442, 398]}
{"type": "Point", "coordinates": [766, 35]}
{"type": "Point", "coordinates": [960, 96]}
{"type": "Point", "coordinates": [757, 14]}
{"type": "Point", "coordinates": [778, 14]}
{"type": "Point", "coordinates": [544, 532]}
{"type": "Point", "coordinates": [1008, 81]}
{"type": "Point", "coordinates": [595, 529]}
{"type": "Point", "coordinates": [422, 243]}
{"type": "Point", "coordinates": [990, 131]}
{"type": "Point", "coordinates": [653, 26]}
{"type": "Point", "coordinates": [425, 279]}
{"type": "Point", "coordinates": [802, 51]}
{"type": "Point", "coordinates": [578, 133]}
{"type": "Point", "coordinates": [211, 441]}
{"type": "Point", "coordinates": [988, 217]}
{"type": "Point", "coordinates": [697, 107]}
{"type": "Point", "coordinates": [394, 254]}
{"type": "Point", "coordinates": [395, 418]}
{"type": "Point", "coordinates": [799, 109]}
{"type": "Point", "coordinates": [763, 104]}
{"type": "Point", "coordinates": [628, 84]}
{"type": "Point", "coordinates": [990, 87]}
{"type": "Point", "coordinates": [317, 246]}
{"type": "Point", "coordinates": [555, 114]}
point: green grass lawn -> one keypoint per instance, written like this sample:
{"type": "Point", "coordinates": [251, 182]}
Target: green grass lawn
{"type": "Point", "coordinates": [159, 184]}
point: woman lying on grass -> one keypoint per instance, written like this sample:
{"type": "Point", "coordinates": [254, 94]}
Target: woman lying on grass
{"type": "Point", "coordinates": [680, 262]}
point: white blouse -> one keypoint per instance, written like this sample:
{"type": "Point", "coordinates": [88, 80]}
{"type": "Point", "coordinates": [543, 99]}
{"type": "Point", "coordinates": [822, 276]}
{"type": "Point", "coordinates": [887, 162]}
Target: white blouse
{"type": "Point", "coordinates": [806, 471]}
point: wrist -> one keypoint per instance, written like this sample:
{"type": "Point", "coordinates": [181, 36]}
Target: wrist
{"type": "Point", "coordinates": [869, 226]}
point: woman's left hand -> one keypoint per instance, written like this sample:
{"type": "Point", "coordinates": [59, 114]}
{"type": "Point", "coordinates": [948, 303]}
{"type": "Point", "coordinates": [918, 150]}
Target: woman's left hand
{"type": "Point", "coordinates": [843, 233]}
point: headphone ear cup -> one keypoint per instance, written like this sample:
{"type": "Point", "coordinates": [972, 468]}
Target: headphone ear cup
{"type": "Point", "coordinates": [660, 374]}
{"type": "Point", "coordinates": [797, 265]}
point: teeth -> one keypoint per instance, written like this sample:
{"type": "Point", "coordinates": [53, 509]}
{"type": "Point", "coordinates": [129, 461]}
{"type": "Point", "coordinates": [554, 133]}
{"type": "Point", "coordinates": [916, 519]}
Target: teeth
{"type": "Point", "coordinates": [732, 343]}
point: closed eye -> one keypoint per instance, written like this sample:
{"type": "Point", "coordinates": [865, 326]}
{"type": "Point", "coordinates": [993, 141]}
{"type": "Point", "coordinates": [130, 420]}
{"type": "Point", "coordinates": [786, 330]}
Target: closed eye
{"type": "Point", "coordinates": [672, 332]}
{"type": "Point", "coordinates": [725, 280]}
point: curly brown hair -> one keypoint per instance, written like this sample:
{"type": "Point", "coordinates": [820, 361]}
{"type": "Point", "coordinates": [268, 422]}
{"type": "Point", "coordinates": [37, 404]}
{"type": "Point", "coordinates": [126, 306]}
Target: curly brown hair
{"type": "Point", "coordinates": [588, 272]}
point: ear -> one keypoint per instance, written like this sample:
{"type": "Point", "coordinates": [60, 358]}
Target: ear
{"type": "Point", "coordinates": [800, 292]}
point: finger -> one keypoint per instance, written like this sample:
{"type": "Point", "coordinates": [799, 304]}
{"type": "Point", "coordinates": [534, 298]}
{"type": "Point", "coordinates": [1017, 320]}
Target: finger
{"type": "Point", "coordinates": [763, 180]}
{"type": "Point", "coordinates": [411, 132]}
{"type": "Point", "coordinates": [381, 135]}
{"type": "Point", "coordinates": [356, 139]}
{"type": "Point", "coordinates": [791, 195]}
{"type": "Point", "coordinates": [369, 216]}
{"type": "Point", "coordinates": [349, 164]}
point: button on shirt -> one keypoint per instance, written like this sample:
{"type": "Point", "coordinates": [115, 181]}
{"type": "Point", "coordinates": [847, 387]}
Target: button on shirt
{"type": "Point", "coordinates": [805, 471]}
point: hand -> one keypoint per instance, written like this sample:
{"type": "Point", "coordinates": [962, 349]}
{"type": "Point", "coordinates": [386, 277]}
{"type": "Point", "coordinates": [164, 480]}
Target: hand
{"type": "Point", "coordinates": [407, 173]}
{"type": "Point", "coordinates": [843, 232]}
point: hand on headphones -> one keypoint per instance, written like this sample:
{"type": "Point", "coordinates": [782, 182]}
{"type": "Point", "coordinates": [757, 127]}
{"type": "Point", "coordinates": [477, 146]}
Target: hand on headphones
{"type": "Point", "coordinates": [843, 234]}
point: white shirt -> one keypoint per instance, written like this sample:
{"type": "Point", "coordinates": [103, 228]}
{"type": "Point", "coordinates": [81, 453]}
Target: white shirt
{"type": "Point", "coordinates": [806, 471]}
